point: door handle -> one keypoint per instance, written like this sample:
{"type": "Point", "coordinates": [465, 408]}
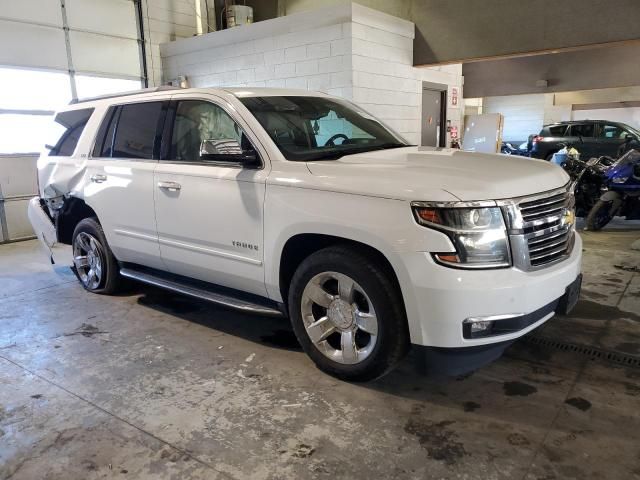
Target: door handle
{"type": "Point", "coordinates": [98, 178]}
{"type": "Point", "coordinates": [171, 186]}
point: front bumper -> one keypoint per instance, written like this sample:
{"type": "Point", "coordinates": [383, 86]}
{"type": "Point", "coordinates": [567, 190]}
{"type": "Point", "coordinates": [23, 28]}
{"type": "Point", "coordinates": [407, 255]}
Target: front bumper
{"type": "Point", "coordinates": [45, 230]}
{"type": "Point", "coordinates": [443, 298]}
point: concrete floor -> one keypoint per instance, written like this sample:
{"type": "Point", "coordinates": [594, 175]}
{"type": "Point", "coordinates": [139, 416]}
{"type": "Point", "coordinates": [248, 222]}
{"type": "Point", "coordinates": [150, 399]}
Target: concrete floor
{"type": "Point", "coordinates": [153, 385]}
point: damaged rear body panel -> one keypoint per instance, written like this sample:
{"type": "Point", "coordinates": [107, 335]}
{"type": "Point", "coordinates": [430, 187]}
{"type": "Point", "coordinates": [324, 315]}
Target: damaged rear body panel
{"type": "Point", "coordinates": [61, 185]}
{"type": "Point", "coordinates": [89, 173]}
{"type": "Point", "coordinates": [62, 176]}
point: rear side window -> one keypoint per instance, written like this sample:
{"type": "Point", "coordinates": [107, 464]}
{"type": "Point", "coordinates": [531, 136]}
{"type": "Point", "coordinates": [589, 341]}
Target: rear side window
{"type": "Point", "coordinates": [134, 131]}
{"type": "Point", "coordinates": [73, 123]}
{"type": "Point", "coordinates": [558, 130]}
{"type": "Point", "coordinates": [582, 130]}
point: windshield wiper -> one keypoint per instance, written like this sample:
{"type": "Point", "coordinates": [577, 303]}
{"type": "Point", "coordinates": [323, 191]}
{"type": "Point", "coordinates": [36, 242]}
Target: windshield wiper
{"type": "Point", "coordinates": [385, 146]}
{"type": "Point", "coordinates": [353, 151]}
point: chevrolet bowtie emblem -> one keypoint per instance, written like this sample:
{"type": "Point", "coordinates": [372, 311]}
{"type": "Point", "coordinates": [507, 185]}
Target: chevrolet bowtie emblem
{"type": "Point", "coordinates": [568, 217]}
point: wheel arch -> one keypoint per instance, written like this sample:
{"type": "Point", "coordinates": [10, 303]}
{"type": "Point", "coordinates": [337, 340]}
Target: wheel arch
{"type": "Point", "coordinates": [301, 245]}
{"type": "Point", "coordinates": [73, 211]}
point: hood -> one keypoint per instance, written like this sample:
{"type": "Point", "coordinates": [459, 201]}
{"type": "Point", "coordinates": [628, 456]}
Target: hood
{"type": "Point", "coordinates": [435, 174]}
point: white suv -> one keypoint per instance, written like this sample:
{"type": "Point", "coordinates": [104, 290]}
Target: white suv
{"type": "Point", "coordinates": [285, 202]}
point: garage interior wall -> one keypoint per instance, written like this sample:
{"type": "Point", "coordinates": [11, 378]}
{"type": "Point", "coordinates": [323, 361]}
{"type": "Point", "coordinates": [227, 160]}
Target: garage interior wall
{"type": "Point", "coordinates": [348, 50]}
{"type": "Point", "coordinates": [526, 114]}
{"type": "Point", "coordinates": [523, 114]}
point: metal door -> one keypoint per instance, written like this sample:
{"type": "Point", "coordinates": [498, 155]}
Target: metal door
{"type": "Point", "coordinates": [431, 117]}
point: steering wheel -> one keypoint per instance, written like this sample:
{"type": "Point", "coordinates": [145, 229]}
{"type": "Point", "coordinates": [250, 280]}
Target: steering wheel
{"type": "Point", "coordinates": [330, 142]}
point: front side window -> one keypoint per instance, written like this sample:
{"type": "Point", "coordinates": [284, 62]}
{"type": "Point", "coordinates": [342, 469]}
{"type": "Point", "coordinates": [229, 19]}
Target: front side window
{"type": "Point", "coordinates": [318, 128]}
{"type": "Point", "coordinates": [135, 130]}
{"type": "Point", "coordinates": [198, 122]}
{"type": "Point", "coordinates": [582, 130]}
{"type": "Point", "coordinates": [72, 123]}
{"type": "Point", "coordinates": [612, 131]}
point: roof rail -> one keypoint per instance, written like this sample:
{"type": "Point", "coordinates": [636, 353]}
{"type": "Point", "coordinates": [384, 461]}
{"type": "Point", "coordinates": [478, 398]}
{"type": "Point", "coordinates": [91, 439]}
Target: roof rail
{"type": "Point", "coordinates": [161, 88]}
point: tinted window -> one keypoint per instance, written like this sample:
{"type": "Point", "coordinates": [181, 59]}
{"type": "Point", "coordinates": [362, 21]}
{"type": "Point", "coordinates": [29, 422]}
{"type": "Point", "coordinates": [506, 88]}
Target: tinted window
{"type": "Point", "coordinates": [73, 122]}
{"type": "Point", "coordinates": [612, 131]}
{"type": "Point", "coordinates": [136, 127]}
{"type": "Point", "coordinates": [583, 130]}
{"type": "Point", "coordinates": [197, 121]}
{"type": "Point", "coordinates": [558, 130]}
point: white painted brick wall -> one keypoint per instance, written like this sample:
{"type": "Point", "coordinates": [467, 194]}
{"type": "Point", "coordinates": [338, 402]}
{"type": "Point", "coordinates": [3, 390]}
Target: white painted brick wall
{"type": "Point", "coordinates": [314, 59]}
{"type": "Point", "coordinates": [367, 57]}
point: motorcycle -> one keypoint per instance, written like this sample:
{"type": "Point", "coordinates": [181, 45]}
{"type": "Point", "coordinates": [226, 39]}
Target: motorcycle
{"type": "Point", "coordinates": [621, 187]}
{"type": "Point", "coordinates": [588, 178]}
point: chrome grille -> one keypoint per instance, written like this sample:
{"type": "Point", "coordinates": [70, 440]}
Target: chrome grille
{"type": "Point", "coordinates": [547, 248]}
{"type": "Point", "coordinates": [539, 232]}
{"type": "Point", "coordinates": [540, 210]}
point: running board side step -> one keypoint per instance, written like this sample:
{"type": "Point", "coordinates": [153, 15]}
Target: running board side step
{"type": "Point", "coordinates": [196, 289]}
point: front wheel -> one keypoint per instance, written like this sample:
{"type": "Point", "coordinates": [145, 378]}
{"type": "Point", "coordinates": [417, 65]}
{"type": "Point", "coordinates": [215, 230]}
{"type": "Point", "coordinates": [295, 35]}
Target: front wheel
{"type": "Point", "coordinates": [347, 314]}
{"type": "Point", "coordinates": [94, 263]}
{"type": "Point", "coordinates": [601, 214]}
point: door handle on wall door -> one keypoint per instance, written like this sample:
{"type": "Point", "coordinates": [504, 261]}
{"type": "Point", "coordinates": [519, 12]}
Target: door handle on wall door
{"type": "Point", "coordinates": [171, 186]}
{"type": "Point", "coordinates": [98, 178]}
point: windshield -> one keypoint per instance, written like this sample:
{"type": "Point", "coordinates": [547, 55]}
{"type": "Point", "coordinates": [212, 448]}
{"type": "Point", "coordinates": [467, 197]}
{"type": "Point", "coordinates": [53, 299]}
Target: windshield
{"type": "Point", "coordinates": [631, 129]}
{"type": "Point", "coordinates": [319, 128]}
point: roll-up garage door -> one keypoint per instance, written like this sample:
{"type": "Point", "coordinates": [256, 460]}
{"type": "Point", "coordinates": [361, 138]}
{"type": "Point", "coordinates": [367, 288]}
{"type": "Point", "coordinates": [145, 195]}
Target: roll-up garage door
{"type": "Point", "coordinates": [60, 50]}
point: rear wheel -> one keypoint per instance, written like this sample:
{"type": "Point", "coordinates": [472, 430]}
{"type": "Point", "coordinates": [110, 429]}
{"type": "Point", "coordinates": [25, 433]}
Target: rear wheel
{"type": "Point", "coordinates": [347, 314]}
{"type": "Point", "coordinates": [601, 214]}
{"type": "Point", "coordinates": [94, 263]}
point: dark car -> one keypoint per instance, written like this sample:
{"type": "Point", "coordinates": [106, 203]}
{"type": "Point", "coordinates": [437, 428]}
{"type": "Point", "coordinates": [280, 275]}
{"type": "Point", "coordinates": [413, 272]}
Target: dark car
{"type": "Point", "coordinates": [592, 138]}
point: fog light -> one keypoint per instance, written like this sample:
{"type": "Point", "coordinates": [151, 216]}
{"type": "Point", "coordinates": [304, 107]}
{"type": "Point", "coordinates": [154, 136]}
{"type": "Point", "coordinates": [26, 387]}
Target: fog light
{"type": "Point", "coordinates": [477, 327]}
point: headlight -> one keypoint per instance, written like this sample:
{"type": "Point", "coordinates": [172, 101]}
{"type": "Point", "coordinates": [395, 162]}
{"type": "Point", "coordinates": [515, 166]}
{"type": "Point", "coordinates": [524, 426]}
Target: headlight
{"type": "Point", "coordinates": [479, 235]}
{"type": "Point", "coordinates": [619, 179]}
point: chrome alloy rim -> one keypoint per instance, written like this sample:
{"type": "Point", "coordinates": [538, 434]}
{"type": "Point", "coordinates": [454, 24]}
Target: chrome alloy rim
{"type": "Point", "coordinates": [339, 318]}
{"type": "Point", "coordinates": [87, 257]}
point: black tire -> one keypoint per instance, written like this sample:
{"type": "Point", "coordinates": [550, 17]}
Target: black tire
{"type": "Point", "coordinates": [601, 214]}
{"type": "Point", "coordinates": [392, 341]}
{"type": "Point", "coordinates": [110, 280]}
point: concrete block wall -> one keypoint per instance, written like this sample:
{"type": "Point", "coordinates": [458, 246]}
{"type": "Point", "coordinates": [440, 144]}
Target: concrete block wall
{"type": "Point", "coordinates": [313, 59]}
{"type": "Point", "coordinates": [348, 50]}
{"type": "Point", "coordinates": [385, 82]}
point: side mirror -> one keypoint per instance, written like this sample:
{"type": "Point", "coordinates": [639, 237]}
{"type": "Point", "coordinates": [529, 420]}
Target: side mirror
{"type": "Point", "coordinates": [629, 138]}
{"type": "Point", "coordinates": [227, 150]}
